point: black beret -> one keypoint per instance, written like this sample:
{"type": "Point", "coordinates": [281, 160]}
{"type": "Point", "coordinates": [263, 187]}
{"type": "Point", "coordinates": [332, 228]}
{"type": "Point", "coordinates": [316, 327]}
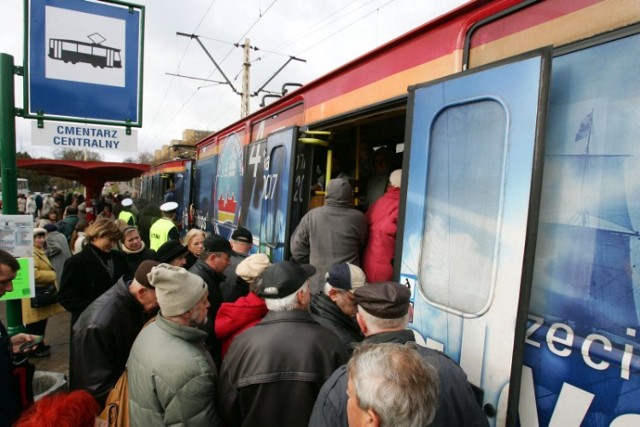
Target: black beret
{"type": "Point", "coordinates": [386, 300]}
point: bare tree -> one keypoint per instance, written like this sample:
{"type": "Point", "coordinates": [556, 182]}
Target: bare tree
{"type": "Point", "coordinates": [76, 154]}
{"type": "Point", "coordinates": [145, 157]}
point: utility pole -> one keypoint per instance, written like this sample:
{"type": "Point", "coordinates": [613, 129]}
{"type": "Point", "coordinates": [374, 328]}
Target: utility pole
{"type": "Point", "coordinates": [244, 93]}
{"type": "Point", "coordinates": [245, 107]}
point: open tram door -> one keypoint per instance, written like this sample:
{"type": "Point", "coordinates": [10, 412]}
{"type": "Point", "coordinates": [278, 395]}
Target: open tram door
{"type": "Point", "coordinates": [471, 189]}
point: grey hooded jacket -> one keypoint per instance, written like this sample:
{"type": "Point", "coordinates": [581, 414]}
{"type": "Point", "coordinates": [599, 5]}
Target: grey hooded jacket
{"type": "Point", "coordinates": [331, 234]}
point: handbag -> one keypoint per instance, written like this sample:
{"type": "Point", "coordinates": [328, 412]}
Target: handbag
{"type": "Point", "coordinates": [45, 295]}
{"type": "Point", "coordinates": [116, 409]}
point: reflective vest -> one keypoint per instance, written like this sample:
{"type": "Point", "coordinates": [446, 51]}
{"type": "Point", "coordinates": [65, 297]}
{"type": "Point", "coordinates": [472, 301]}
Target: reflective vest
{"type": "Point", "coordinates": [127, 216]}
{"type": "Point", "coordinates": [159, 233]}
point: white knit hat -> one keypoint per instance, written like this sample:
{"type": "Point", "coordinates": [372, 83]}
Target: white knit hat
{"type": "Point", "coordinates": [177, 290]}
{"type": "Point", "coordinates": [252, 267]}
{"type": "Point", "coordinates": [395, 178]}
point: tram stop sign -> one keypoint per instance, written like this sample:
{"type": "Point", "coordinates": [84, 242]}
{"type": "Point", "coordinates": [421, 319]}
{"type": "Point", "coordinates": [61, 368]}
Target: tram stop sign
{"type": "Point", "coordinates": [84, 61]}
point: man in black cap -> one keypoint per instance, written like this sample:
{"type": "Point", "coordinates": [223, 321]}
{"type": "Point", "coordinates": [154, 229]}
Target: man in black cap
{"type": "Point", "coordinates": [335, 309]}
{"type": "Point", "coordinates": [241, 243]}
{"type": "Point", "coordinates": [215, 257]}
{"type": "Point", "coordinates": [104, 333]}
{"type": "Point", "coordinates": [273, 371]}
{"type": "Point", "coordinates": [383, 314]}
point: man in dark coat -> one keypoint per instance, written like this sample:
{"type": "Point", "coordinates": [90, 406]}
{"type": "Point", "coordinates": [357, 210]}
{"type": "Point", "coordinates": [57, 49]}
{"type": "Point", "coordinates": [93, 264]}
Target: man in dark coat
{"type": "Point", "coordinates": [383, 315]}
{"type": "Point", "coordinates": [103, 335]}
{"type": "Point", "coordinates": [213, 260]}
{"type": "Point", "coordinates": [272, 372]}
{"type": "Point", "coordinates": [69, 222]}
{"type": "Point", "coordinates": [335, 309]}
{"type": "Point", "coordinates": [10, 406]}
{"type": "Point", "coordinates": [331, 234]}
{"type": "Point", "coordinates": [241, 243]}
{"type": "Point", "coordinates": [149, 214]}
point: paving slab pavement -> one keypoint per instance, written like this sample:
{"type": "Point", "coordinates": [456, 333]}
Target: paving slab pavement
{"type": "Point", "coordinates": [57, 336]}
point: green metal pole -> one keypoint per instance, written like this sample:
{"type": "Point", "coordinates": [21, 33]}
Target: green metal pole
{"type": "Point", "coordinates": [9, 169]}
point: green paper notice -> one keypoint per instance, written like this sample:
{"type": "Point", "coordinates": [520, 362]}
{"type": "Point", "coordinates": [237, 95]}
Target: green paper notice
{"type": "Point", "coordinates": [23, 284]}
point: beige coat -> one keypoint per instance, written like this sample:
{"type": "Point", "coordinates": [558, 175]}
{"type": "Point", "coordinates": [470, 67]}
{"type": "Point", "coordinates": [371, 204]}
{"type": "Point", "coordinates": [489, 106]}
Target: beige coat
{"type": "Point", "coordinates": [44, 275]}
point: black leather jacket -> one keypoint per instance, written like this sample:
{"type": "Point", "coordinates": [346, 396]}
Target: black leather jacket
{"type": "Point", "coordinates": [102, 339]}
{"type": "Point", "coordinates": [213, 279]}
{"type": "Point", "coordinates": [273, 371]}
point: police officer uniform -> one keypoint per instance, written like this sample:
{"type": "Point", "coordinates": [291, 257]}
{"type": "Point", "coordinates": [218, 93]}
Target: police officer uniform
{"type": "Point", "coordinates": [164, 229]}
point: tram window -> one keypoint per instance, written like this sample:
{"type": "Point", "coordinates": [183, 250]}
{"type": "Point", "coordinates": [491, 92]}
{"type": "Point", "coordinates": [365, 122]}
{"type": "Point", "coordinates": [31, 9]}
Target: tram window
{"type": "Point", "coordinates": [84, 49]}
{"type": "Point", "coordinates": [462, 216]}
{"type": "Point", "coordinates": [274, 190]}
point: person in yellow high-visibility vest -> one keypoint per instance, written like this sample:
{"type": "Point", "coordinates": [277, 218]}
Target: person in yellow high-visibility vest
{"type": "Point", "coordinates": [125, 214]}
{"type": "Point", "coordinates": [164, 229]}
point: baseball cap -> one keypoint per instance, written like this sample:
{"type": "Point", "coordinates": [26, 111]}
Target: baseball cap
{"type": "Point", "coordinates": [241, 234]}
{"type": "Point", "coordinates": [216, 243]}
{"type": "Point", "coordinates": [284, 278]}
{"type": "Point", "coordinates": [346, 276]}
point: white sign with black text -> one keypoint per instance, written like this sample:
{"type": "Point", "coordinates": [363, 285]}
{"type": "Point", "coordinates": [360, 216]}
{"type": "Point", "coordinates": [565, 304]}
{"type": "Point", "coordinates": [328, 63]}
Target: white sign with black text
{"type": "Point", "coordinates": [76, 136]}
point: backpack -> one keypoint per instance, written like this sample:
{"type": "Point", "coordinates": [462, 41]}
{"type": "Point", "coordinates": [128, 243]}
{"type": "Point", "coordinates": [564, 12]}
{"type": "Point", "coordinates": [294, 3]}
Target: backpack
{"type": "Point", "coordinates": [116, 409]}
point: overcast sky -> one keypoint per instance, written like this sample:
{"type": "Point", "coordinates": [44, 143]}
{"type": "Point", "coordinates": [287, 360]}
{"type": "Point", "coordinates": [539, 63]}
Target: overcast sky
{"type": "Point", "coordinates": [325, 33]}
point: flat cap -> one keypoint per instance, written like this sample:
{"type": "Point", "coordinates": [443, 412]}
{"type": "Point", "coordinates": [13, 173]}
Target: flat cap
{"type": "Point", "coordinates": [385, 300]}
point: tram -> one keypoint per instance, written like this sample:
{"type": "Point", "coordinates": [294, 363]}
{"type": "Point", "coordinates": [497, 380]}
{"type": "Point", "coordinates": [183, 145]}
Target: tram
{"type": "Point", "coordinates": [75, 51]}
{"type": "Point", "coordinates": [170, 180]}
{"type": "Point", "coordinates": [516, 126]}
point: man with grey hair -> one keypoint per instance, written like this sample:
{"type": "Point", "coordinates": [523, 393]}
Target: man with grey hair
{"type": "Point", "coordinates": [171, 375]}
{"type": "Point", "coordinates": [384, 310]}
{"type": "Point", "coordinates": [335, 309]}
{"type": "Point", "coordinates": [283, 359]}
{"type": "Point", "coordinates": [390, 385]}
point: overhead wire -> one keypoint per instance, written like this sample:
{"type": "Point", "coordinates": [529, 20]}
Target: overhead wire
{"type": "Point", "coordinates": [184, 52]}
{"type": "Point", "coordinates": [271, 52]}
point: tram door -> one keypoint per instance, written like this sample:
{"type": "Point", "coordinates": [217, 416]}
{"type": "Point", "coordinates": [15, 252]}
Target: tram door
{"type": "Point", "coordinates": [277, 193]}
{"type": "Point", "coordinates": [469, 198]}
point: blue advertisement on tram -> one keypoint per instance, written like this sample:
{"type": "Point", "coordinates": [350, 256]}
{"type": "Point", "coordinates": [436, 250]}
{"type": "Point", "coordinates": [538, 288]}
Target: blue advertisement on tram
{"type": "Point", "coordinates": [203, 193]}
{"type": "Point", "coordinates": [581, 363]}
{"type": "Point", "coordinates": [228, 187]}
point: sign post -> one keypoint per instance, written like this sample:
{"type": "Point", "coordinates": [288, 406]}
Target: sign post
{"type": "Point", "coordinates": [88, 54]}
{"type": "Point", "coordinates": [8, 165]}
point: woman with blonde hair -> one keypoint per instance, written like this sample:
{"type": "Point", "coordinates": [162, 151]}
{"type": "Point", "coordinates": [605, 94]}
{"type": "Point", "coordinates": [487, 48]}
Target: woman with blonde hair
{"type": "Point", "coordinates": [92, 271]}
{"type": "Point", "coordinates": [194, 241]}
{"type": "Point", "coordinates": [35, 315]}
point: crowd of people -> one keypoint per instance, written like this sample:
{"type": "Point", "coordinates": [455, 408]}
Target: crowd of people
{"type": "Point", "coordinates": [211, 333]}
